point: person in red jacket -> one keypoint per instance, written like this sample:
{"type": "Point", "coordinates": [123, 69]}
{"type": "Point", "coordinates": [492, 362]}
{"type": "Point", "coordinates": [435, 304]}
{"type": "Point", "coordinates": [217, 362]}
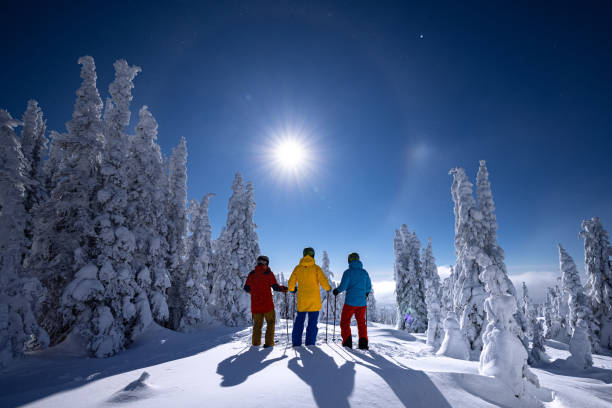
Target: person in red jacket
{"type": "Point", "coordinates": [258, 284]}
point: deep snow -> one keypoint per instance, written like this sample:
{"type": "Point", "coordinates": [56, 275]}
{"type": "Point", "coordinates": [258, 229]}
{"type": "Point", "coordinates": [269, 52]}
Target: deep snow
{"type": "Point", "coordinates": [217, 367]}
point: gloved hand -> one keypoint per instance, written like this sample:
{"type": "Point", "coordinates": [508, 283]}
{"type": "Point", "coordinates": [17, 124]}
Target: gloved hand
{"type": "Point", "coordinates": [283, 289]}
{"type": "Point", "coordinates": [335, 292]}
{"type": "Point", "coordinates": [247, 288]}
{"type": "Point", "coordinates": [367, 294]}
{"type": "Point", "coordinates": [294, 290]}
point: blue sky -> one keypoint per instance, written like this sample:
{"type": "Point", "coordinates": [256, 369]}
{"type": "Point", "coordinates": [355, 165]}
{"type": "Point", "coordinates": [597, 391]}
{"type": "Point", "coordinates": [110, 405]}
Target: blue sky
{"type": "Point", "coordinates": [387, 99]}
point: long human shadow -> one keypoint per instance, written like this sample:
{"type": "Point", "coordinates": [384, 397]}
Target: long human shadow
{"type": "Point", "coordinates": [56, 370]}
{"type": "Point", "coordinates": [413, 388]}
{"type": "Point", "coordinates": [236, 369]}
{"type": "Point", "coordinates": [331, 384]}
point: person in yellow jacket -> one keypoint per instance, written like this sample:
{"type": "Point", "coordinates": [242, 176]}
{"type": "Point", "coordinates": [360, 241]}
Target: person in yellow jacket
{"type": "Point", "coordinates": [308, 276]}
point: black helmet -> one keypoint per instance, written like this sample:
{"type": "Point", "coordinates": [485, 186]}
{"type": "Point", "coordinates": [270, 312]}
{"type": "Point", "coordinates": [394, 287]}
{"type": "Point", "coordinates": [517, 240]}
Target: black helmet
{"type": "Point", "coordinates": [263, 260]}
{"type": "Point", "coordinates": [308, 251]}
{"type": "Point", "coordinates": [353, 257]}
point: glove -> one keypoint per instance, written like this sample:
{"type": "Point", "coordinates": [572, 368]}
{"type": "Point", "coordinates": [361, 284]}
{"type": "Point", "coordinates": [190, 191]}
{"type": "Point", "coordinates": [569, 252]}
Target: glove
{"type": "Point", "coordinates": [335, 292]}
{"type": "Point", "coordinates": [284, 289]}
{"type": "Point", "coordinates": [294, 290]}
{"type": "Point", "coordinates": [367, 294]}
{"type": "Point", "coordinates": [247, 288]}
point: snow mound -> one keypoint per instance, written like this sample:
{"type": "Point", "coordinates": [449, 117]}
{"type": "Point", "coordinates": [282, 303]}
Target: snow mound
{"type": "Point", "coordinates": [136, 390]}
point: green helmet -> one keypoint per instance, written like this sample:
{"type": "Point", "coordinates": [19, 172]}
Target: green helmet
{"type": "Point", "coordinates": [308, 251]}
{"type": "Point", "coordinates": [353, 257]}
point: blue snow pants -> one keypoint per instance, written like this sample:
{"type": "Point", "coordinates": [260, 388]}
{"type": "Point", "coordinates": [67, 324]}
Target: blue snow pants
{"type": "Point", "coordinates": [311, 330]}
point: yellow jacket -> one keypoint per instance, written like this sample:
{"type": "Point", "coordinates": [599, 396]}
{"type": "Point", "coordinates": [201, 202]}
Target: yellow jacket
{"type": "Point", "coordinates": [308, 276]}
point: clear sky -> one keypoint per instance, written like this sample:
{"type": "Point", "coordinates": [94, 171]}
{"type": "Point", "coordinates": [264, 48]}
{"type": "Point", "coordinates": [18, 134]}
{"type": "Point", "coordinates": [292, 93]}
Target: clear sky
{"type": "Point", "coordinates": [386, 100]}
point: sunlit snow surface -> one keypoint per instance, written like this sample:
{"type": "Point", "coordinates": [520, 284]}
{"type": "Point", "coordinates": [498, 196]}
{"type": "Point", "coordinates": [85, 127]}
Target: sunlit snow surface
{"type": "Point", "coordinates": [217, 367]}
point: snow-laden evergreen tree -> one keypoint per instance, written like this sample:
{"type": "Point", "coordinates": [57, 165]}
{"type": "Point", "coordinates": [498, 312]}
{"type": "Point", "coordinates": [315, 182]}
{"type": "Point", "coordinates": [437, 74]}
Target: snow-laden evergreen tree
{"type": "Point", "coordinates": [281, 300]}
{"type": "Point", "coordinates": [409, 282]}
{"type": "Point", "coordinates": [64, 235]}
{"type": "Point", "coordinates": [578, 303]}
{"type": "Point", "coordinates": [556, 313]}
{"type": "Point", "coordinates": [454, 343]}
{"type": "Point", "coordinates": [51, 165]}
{"type": "Point", "coordinates": [435, 330]}
{"type": "Point", "coordinates": [325, 295]}
{"type": "Point", "coordinates": [447, 297]}
{"type": "Point", "coordinates": [537, 353]}
{"type": "Point", "coordinates": [236, 252]}
{"type": "Point", "coordinates": [528, 310]}
{"type": "Point", "coordinates": [552, 327]}
{"type": "Point", "coordinates": [107, 320]}
{"type": "Point", "coordinates": [194, 290]}
{"type": "Point", "coordinates": [597, 253]}
{"type": "Point", "coordinates": [503, 355]}
{"type": "Point", "coordinates": [147, 217]}
{"type": "Point", "coordinates": [469, 290]}
{"type": "Point", "coordinates": [490, 246]}
{"type": "Point", "coordinates": [34, 147]}
{"type": "Point", "coordinates": [20, 296]}
{"type": "Point", "coordinates": [177, 231]}
{"type": "Point", "coordinates": [372, 309]}
{"type": "Point", "coordinates": [580, 346]}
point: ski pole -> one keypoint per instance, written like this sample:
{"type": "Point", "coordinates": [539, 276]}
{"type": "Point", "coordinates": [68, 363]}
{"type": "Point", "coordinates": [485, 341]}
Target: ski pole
{"type": "Point", "coordinates": [327, 316]}
{"type": "Point", "coordinates": [287, 315]}
{"type": "Point", "coordinates": [334, 335]}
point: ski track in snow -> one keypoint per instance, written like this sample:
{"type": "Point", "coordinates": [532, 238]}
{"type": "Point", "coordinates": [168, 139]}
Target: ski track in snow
{"type": "Point", "coordinates": [219, 368]}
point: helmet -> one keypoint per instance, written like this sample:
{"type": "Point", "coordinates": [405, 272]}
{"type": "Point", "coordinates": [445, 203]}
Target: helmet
{"type": "Point", "coordinates": [353, 257]}
{"type": "Point", "coordinates": [263, 260]}
{"type": "Point", "coordinates": [308, 251]}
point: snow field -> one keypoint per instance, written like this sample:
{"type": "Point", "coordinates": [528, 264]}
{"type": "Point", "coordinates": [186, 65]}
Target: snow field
{"type": "Point", "coordinates": [219, 368]}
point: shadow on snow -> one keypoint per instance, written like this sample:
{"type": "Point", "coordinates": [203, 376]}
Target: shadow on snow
{"type": "Point", "coordinates": [51, 371]}
{"type": "Point", "coordinates": [412, 387]}
{"type": "Point", "coordinates": [317, 369]}
{"type": "Point", "coordinates": [237, 368]}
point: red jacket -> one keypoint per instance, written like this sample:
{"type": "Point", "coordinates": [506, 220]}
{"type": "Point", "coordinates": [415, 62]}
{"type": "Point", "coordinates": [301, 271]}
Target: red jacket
{"type": "Point", "coordinates": [258, 284]}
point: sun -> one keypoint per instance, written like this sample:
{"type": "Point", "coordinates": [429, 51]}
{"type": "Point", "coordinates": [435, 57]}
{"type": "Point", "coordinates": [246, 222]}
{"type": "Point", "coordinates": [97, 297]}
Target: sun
{"type": "Point", "coordinates": [290, 154]}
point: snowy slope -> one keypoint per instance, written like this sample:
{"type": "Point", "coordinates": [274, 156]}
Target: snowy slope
{"type": "Point", "coordinates": [218, 368]}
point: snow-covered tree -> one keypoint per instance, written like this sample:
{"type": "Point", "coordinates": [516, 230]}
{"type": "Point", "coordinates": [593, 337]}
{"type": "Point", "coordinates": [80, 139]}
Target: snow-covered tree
{"type": "Point", "coordinates": [447, 297]}
{"type": "Point", "coordinates": [454, 343]}
{"type": "Point", "coordinates": [503, 355]}
{"type": "Point", "coordinates": [537, 353]}
{"type": "Point", "coordinates": [528, 310]}
{"type": "Point", "coordinates": [34, 147]}
{"type": "Point", "coordinates": [113, 309]}
{"type": "Point", "coordinates": [64, 235]}
{"type": "Point", "coordinates": [488, 234]}
{"type": "Point", "coordinates": [409, 282]}
{"type": "Point", "coordinates": [177, 227]}
{"type": "Point", "coordinates": [194, 290]}
{"type": "Point", "coordinates": [580, 346]}
{"type": "Point", "coordinates": [325, 296]}
{"type": "Point", "coordinates": [597, 253]}
{"type": "Point", "coordinates": [20, 296]}
{"type": "Point", "coordinates": [435, 331]}
{"type": "Point", "coordinates": [372, 309]}
{"type": "Point", "coordinates": [579, 307]}
{"type": "Point", "coordinates": [147, 217]}
{"type": "Point", "coordinates": [236, 252]}
{"type": "Point", "coordinates": [469, 290]}
{"type": "Point", "coordinates": [281, 300]}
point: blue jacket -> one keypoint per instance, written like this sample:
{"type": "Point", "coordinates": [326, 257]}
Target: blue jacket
{"type": "Point", "coordinates": [356, 282]}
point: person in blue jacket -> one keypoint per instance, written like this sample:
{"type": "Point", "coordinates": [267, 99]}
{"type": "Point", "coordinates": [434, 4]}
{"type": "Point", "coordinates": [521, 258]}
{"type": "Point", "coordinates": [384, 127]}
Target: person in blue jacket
{"type": "Point", "coordinates": [356, 282]}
